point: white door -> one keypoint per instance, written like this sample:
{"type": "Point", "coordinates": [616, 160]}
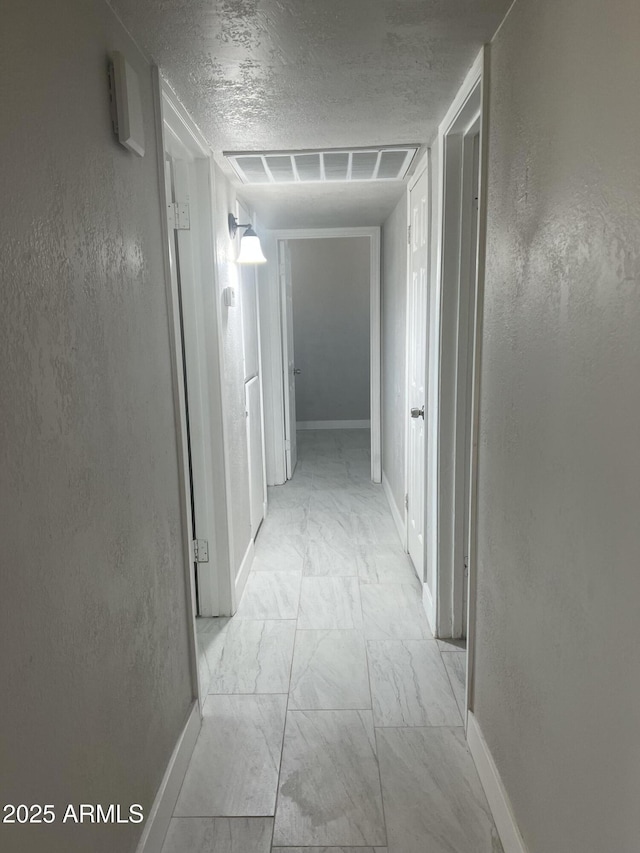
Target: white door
{"type": "Point", "coordinates": [181, 184]}
{"type": "Point", "coordinates": [291, 449]}
{"type": "Point", "coordinates": [256, 459]}
{"type": "Point", "coordinates": [252, 389]}
{"type": "Point", "coordinates": [417, 325]}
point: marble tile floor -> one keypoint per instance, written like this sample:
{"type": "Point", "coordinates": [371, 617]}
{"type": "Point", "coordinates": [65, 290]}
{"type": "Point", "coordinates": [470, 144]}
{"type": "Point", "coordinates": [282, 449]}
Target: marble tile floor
{"type": "Point", "coordinates": [333, 721]}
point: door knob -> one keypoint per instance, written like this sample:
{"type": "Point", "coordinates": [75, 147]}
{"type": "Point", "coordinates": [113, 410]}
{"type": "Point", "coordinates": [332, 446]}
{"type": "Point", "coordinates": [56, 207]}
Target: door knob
{"type": "Point", "coordinates": [417, 413]}
{"type": "Point", "coordinates": [296, 371]}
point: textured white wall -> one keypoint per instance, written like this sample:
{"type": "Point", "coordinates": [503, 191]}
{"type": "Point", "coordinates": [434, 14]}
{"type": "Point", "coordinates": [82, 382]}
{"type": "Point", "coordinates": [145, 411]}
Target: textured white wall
{"type": "Point", "coordinates": [394, 323]}
{"type": "Point", "coordinates": [558, 684]}
{"type": "Point", "coordinates": [94, 665]}
{"type": "Point", "coordinates": [331, 327]}
{"type": "Point", "coordinates": [233, 371]}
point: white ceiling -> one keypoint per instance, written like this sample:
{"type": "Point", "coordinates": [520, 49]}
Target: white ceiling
{"type": "Point", "coordinates": [292, 74]}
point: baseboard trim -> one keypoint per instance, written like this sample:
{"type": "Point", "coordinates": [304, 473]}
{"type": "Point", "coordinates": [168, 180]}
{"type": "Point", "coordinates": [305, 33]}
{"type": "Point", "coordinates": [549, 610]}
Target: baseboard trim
{"type": "Point", "coordinates": [157, 824]}
{"type": "Point", "coordinates": [494, 789]}
{"type": "Point", "coordinates": [243, 572]}
{"type": "Point", "coordinates": [395, 512]}
{"type": "Point", "coordinates": [429, 608]}
{"type": "Point", "coordinates": [333, 425]}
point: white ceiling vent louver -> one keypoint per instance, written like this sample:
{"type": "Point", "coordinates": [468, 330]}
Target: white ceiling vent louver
{"type": "Point", "coordinates": [390, 163]}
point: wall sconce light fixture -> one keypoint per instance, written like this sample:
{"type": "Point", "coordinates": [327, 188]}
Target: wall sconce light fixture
{"type": "Point", "coordinates": [250, 248]}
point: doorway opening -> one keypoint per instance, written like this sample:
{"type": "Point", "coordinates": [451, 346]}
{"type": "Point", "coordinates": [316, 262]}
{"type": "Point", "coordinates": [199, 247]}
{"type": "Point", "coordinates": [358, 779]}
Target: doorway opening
{"type": "Point", "coordinates": [329, 335]}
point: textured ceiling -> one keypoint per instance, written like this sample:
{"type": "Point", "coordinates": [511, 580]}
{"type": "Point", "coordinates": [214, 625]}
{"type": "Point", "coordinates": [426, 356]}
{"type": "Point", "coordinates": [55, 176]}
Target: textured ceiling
{"type": "Point", "coordinates": [265, 74]}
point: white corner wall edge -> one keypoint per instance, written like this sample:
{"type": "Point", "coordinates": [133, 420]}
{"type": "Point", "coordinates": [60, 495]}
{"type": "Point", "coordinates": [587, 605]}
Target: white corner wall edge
{"type": "Point", "coordinates": [243, 573]}
{"type": "Point", "coordinates": [157, 824]}
{"type": "Point", "coordinates": [494, 789]}
{"type": "Point", "coordinates": [395, 512]}
{"type": "Point", "coordinates": [333, 425]}
{"type": "Point", "coordinates": [429, 608]}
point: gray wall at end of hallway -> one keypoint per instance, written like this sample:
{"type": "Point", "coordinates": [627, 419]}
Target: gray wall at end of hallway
{"type": "Point", "coordinates": [331, 323]}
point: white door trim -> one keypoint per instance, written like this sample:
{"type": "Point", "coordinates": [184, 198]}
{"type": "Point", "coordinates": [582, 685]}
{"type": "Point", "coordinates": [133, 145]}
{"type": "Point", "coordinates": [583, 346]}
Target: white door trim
{"type": "Point", "coordinates": [287, 348]}
{"type": "Point", "coordinates": [476, 320]}
{"type": "Point", "coordinates": [178, 395]}
{"type": "Point", "coordinates": [470, 100]}
{"type": "Point", "coordinates": [276, 331]}
{"type": "Point", "coordinates": [272, 362]}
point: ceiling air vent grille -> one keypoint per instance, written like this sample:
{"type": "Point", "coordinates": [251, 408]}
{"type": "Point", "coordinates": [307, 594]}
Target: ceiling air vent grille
{"type": "Point", "coordinates": [390, 163]}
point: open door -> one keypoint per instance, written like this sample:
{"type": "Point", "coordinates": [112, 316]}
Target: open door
{"type": "Point", "coordinates": [417, 329]}
{"type": "Point", "coordinates": [181, 182]}
{"type": "Point", "coordinates": [291, 449]}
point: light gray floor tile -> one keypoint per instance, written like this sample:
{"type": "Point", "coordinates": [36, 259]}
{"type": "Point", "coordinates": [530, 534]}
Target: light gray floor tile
{"type": "Point", "coordinates": [219, 835]}
{"type": "Point", "coordinates": [357, 454]}
{"type": "Point", "coordinates": [270, 595]}
{"type": "Point", "coordinates": [285, 520]}
{"type": "Point", "coordinates": [325, 525]}
{"type": "Point", "coordinates": [329, 500]}
{"type": "Point", "coordinates": [235, 764]}
{"type": "Point", "coordinates": [386, 564]}
{"type": "Point", "coordinates": [393, 612]}
{"type": "Point", "coordinates": [456, 666]}
{"type": "Point", "coordinates": [450, 645]}
{"type": "Point", "coordinates": [329, 850]}
{"type": "Point", "coordinates": [329, 790]}
{"type": "Point", "coordinates": [331, 556]}
{"type": "Point", "coordinates": [252, 656]}
{"type": "Point", "coordinates": [207, 634]}
{"type": "Point", "coordinates": [376, 530]}
{"type": "Point", "coordinates": [330, 602]}
{"type": "Point", "coordinates": [350, 438]}
{"type": "Point", "coordinates": [325, 467]}
{"type": "Point", "coordinates": [329, 671]}
{"type": "Point", "coordinates": [359, 470]}
{"type": "Point", "coordinates": [368, 499]}
{"type": "Point", "coordinates": [331, 481]}
{"type": "Point", "coordinates": [279, 551]}
{"type": "Point", "coordinates": [354, 499]}
{"type": "Point", "coordinates": [210, 625]}
{"type": "Point", "coordinates": [432, 795]}
{"type": "Point", "coordinates": [329, 798]}
{"type": "Point", "coordinates": [409, 684]}
{"type": "Point", "coordinates": [292, 494]}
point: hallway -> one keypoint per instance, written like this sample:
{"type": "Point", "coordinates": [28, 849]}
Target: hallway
{"type": "Point", "coordinates": [330, 705]}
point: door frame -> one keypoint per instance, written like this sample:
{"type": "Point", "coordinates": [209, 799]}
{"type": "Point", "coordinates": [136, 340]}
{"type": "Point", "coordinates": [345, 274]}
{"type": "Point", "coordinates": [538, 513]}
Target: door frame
{"type": "Point", "coordinates": [276, 331]}
{"type": "Point", "coordinates": [176, 131]}
{"type": "Point", "coordinates": [424, 165]}
{"type": "Point", "coordinates": [244, 214]}
{"type": "Point", "coordinates": [286, 293]}
{"type": "Point", "coordinates": [457, 326]}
